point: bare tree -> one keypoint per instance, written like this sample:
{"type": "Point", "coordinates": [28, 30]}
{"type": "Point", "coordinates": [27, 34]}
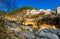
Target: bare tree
{"type": "Point", "coordinates": [8, 4]}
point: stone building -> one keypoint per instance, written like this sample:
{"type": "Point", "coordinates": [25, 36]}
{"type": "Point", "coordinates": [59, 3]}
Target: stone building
{"type": "Point", "coordinates": [58, 10]}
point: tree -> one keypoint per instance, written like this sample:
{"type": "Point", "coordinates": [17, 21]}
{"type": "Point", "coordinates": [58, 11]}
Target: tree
{"type": "Point", "coordinates": [26, 7]}
{"type": "Point", "coordinates": [56, 21]}
{"type": "Point", "coordinates": [8, 4]}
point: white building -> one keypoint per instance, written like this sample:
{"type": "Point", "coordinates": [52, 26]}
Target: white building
{"type": "Point", "coordinates": [34, 11]}
{"type": "Point", "coordinates": [41, 10]}
{"type": "Point", "coordinates": [58, 10]}
{"type": "Point", "coordinates": [28, 11]}
{"type": "Point", "coordinates": [46, 11]}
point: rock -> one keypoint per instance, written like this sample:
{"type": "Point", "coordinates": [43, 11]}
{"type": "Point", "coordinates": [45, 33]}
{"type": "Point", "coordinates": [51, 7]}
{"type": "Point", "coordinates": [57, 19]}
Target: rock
{"type": "Point", "coordinates": [31, 34]}
{"type": "Point", "coordinates": [47, 34]}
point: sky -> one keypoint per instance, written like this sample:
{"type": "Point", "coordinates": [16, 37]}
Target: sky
{"type": "Point", "coordinates": [40, 4]}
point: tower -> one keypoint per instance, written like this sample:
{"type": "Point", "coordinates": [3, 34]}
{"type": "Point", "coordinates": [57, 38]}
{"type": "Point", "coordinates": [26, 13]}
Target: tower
{"type": "Point", "coordinates": [58, 10]}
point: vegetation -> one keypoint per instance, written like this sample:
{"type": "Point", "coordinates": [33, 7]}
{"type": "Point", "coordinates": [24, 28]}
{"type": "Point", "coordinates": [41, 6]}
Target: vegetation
{"type": "Point", "coordinates": [56, 21]}
{"type": "Point", "coordinates": [21, 9]}
{"type": "Point", "coordinates": [52, 21]}
{"type": "Point", "coordinates": [2, 13]}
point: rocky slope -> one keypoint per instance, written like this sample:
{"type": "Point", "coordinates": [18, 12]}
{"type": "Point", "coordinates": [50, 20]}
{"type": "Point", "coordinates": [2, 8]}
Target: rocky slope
{"type": "Point", "coordinates": [12, 30]}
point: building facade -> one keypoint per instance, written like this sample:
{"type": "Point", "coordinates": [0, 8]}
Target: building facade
{"type": "Point", "coordinates": [58, 10]}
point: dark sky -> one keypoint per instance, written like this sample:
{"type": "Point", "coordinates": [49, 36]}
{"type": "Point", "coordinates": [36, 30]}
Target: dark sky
{"type": "Point", "coordinates": [40, 4]}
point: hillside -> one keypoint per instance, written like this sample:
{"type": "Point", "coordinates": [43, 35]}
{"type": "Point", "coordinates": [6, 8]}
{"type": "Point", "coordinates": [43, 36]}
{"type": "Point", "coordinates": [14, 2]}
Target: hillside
{"type": "Point", "coordinates": [18, 25]}
{"type": "Point", "coordinates": [12, 30]}
{"type": "Point", "coordinates": [2, 13]}
{"type": "Point", "coordinates": [20, 10]}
